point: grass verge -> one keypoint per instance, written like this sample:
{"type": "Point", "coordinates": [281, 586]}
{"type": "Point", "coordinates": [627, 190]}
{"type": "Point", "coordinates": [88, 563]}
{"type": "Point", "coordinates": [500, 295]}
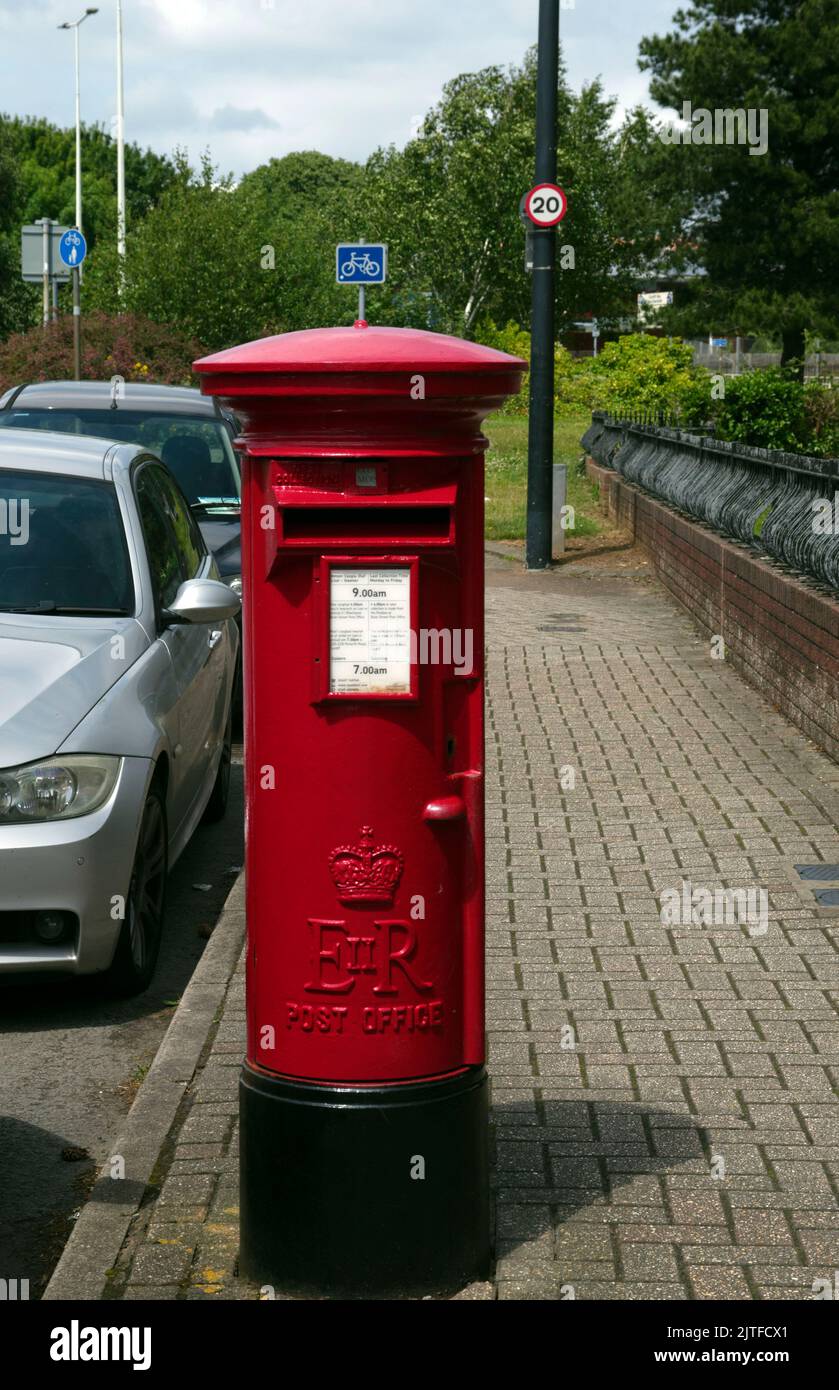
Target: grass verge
{"type": "Point", "coordinates": [506, 477]}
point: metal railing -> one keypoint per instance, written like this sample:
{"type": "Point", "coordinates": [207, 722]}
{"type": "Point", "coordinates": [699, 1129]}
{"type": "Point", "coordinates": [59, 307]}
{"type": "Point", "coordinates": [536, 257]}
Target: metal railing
{"type": "Point", "coordinates": [784, 506]}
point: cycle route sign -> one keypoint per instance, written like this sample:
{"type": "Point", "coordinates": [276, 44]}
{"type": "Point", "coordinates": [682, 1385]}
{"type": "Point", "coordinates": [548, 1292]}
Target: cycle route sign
{"type": "Point", "coordinates": [361, 263]}
{"type": "Point", "coordinates": [72, 248]}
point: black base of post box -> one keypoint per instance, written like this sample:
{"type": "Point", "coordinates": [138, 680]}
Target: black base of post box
{"type": "Point", "coordinates": [364, 1190]}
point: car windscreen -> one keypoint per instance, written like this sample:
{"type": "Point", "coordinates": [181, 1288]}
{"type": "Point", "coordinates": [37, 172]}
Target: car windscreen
{"type": "Point", "coordinates": [197, 449]}
{"type": "Point", "coordinates": [62, 546]}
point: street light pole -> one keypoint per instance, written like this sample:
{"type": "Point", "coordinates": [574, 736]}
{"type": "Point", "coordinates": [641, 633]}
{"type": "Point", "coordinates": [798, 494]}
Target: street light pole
{"type": "Point", "coordinates": [541, 424]}
{"type": "Point", "coordinates": [78, 130]}
{"type": "Point", "coordinates": [120, 152]}
{"type": "Point", "coordinates": [75, 24]}
{"type": "Point", "coordinates": [76, 271]}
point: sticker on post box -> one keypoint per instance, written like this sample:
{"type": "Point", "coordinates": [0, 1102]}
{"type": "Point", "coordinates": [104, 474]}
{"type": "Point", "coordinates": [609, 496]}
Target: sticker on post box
{"type": "Point", "coordinates": [369, 631]}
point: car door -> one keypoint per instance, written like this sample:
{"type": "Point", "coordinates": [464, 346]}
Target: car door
{"type": "Point", "coordinates": [177, 553]}
{"type": "Point", "coordinates": [219, 641]}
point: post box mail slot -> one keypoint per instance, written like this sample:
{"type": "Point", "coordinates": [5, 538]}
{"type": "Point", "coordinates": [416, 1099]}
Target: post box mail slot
{"type": "Point", "coordinates": [362, 526]}
{"type": "Point", "coordinates": [415, 513]}
{"type": "Point", "coordinates": [366, 525]}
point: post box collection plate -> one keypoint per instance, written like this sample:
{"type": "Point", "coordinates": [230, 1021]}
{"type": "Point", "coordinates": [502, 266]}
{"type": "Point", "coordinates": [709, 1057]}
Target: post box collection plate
{"type": "Point", "coordinates": [363, 1099]}
{"type": "Point", "coordinates": [370, 621]}
{"type": "Point", "coordinates": [369, 631]}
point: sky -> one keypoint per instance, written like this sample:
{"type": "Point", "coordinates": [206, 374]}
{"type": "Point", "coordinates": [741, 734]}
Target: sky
{"type": "Point", "coordinates": [252, 79]}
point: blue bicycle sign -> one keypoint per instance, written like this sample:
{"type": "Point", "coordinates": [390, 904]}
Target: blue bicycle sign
{"type": "Point", "coordinates": [360, 264]}
{"type": "Point", "coordinates": [72, 247]}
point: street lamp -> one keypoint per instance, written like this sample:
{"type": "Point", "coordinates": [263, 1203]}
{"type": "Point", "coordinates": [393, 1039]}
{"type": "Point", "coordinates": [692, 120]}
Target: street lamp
{"type": "Point", "coordinates": [76, 272]}
{"type": "Point", "coordinates": [74, 25]}
{"type": "Point", "coordinates": [120, 148]}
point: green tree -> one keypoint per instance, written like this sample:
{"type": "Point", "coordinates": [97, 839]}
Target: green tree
{"type": "Point", "coordinates": [219, 263]}
{"type": "Point", "coordinates": [38, 179]}
{"type": "Point", "coordinates": [16, 298]}
{"type": "Point", "coordinates": [45, 157]}
{"type": "Point", "coordinates": [765, 227]}
{"type": "Point", "coordinates": [292, 186]}
{"type": "Point", "coordinates": [448, 203]}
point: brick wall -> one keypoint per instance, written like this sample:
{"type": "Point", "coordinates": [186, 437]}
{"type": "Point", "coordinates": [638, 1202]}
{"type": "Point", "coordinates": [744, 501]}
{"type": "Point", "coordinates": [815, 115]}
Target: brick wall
{"type": "Point", "coordinates": [781, 635]}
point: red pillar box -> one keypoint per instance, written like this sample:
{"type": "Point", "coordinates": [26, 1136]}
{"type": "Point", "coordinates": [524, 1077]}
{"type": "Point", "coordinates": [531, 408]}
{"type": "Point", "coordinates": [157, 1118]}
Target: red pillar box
{"type": "Point", "coordinates": [363, 1097]}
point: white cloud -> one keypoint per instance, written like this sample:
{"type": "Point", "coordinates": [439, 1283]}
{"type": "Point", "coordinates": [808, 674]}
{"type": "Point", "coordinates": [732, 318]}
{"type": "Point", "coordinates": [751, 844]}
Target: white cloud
{"type": "Point", "coordinates": [238, 119]}
{"type": "Point", "coordinates": [253, 79]}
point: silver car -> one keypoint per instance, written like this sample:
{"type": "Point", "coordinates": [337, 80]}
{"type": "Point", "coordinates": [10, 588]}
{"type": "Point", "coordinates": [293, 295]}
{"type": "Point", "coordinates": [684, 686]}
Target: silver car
{"type": "Point", "coordinates": [118, 648]}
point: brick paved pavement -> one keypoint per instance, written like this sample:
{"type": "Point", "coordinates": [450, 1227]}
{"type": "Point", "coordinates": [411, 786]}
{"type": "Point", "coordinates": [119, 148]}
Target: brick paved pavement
{"type": "Point", "coordinates": [663, 1094]}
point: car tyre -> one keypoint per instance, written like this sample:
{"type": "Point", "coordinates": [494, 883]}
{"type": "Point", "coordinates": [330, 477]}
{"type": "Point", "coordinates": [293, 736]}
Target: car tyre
{"type": "Point", "coordinates": [217, 804]}
{"type": "Point", "coordinates": [138, 947]}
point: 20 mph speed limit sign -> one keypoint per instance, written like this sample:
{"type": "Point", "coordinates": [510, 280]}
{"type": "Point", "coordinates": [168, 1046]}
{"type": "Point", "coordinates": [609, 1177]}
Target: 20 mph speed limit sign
{"type": "Point", "coordinates": [545, 205]}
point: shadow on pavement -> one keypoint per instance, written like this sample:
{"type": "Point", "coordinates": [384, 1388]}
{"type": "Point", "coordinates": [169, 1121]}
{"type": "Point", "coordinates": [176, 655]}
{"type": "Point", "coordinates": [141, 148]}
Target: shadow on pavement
{"type": "Point", "coordinates": [39, 1190]}
{"type": "Point", "coordinates": [565, 1156]}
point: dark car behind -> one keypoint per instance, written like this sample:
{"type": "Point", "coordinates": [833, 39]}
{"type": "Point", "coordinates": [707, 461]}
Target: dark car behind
{"type": "Point", "coordinates": [189, 432]}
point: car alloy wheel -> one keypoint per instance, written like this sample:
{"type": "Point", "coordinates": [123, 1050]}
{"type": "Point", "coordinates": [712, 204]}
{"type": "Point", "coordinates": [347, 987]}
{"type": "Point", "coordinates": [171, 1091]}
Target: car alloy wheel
{"type": "Point", "coordinates": [147, 893]}
{"type": "Point", "coordinates": [217, 804]}
{"type": "Point", "coordinates": [138, 946]}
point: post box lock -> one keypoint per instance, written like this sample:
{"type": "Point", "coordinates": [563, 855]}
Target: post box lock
{"type": "Point", "coordinates": [445, 808]}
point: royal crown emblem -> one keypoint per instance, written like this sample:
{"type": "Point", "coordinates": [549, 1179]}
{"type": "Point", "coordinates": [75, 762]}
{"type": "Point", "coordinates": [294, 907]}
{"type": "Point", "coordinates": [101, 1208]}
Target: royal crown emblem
{"type": "Point", "coordinates": [364, 873]}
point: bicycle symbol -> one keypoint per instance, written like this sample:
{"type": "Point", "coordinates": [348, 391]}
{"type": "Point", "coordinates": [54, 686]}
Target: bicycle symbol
{"type": "Point", "coordinates": [72, 248]}
{"type": "Point", "coordinates": [366, 264]}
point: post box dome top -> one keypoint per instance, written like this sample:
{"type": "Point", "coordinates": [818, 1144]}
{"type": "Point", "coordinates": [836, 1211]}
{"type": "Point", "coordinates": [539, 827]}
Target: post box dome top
{"type": "Point", "coordinates": [347, 391]}
{"type": "Point", "coordinates": [360, 348]}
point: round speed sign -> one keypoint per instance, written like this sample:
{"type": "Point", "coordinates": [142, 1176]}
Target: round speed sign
{"type": "Point", "coordinates": [546, 204]}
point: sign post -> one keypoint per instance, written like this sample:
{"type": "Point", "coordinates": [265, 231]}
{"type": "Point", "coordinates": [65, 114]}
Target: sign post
{"type": "Point", "coordinates": [46, 224]}
{"type": "Point", "coordinates": [545, 207]}
{"type": "Point", "coordinates": [39, 261]}
{"type": "Point", "coordinates": [542, 209]}
{"type": "Point", "coordinates": [72, 248]}
{"type": "Point", "coordinates": [357, 263]}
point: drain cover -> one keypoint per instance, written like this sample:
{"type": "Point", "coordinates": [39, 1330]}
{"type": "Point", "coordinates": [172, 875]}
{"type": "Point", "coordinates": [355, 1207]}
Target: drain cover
{"type": "Point", "coordinates": [822, 873]}
{"type": "Point", "coordinates": [563, 622]}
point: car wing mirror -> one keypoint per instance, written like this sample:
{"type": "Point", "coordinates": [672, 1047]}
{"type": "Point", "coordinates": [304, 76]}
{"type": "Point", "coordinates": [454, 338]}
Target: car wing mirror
{"type": "Point", "coordinates": [202, 601]}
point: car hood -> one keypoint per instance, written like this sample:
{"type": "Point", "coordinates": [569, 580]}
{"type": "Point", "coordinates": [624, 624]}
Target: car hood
{"type": "Point", "coordinates": [52, 673]}
{"type": "Point", "coordinates": [223, 537]}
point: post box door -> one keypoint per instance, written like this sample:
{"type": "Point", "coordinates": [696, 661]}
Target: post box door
{"type": "Point", "coordinates": [369, 773]}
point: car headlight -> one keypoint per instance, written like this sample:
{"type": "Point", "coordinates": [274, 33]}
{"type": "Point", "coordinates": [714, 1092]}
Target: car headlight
{"type": "Point", "coordinates": [235, 584]}
{"type": "Point", "coordinates": [57, 788]}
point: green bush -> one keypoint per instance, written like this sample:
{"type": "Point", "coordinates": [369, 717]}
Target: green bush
{"type": "Point", "coordinates": [696, 407]}
{"type": "Point", "coordinates": [764, 408]}
{"type": "Point", "coordinates": [515, 340]}
{"type": "Point", "coordinates": [636, 374]}
{"type": "Point", "coordinates": [641, 373]}
{"type": "Point", "coordinates": [821, 406]}
{"type": "Point", "coordinates": [124, 345]}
